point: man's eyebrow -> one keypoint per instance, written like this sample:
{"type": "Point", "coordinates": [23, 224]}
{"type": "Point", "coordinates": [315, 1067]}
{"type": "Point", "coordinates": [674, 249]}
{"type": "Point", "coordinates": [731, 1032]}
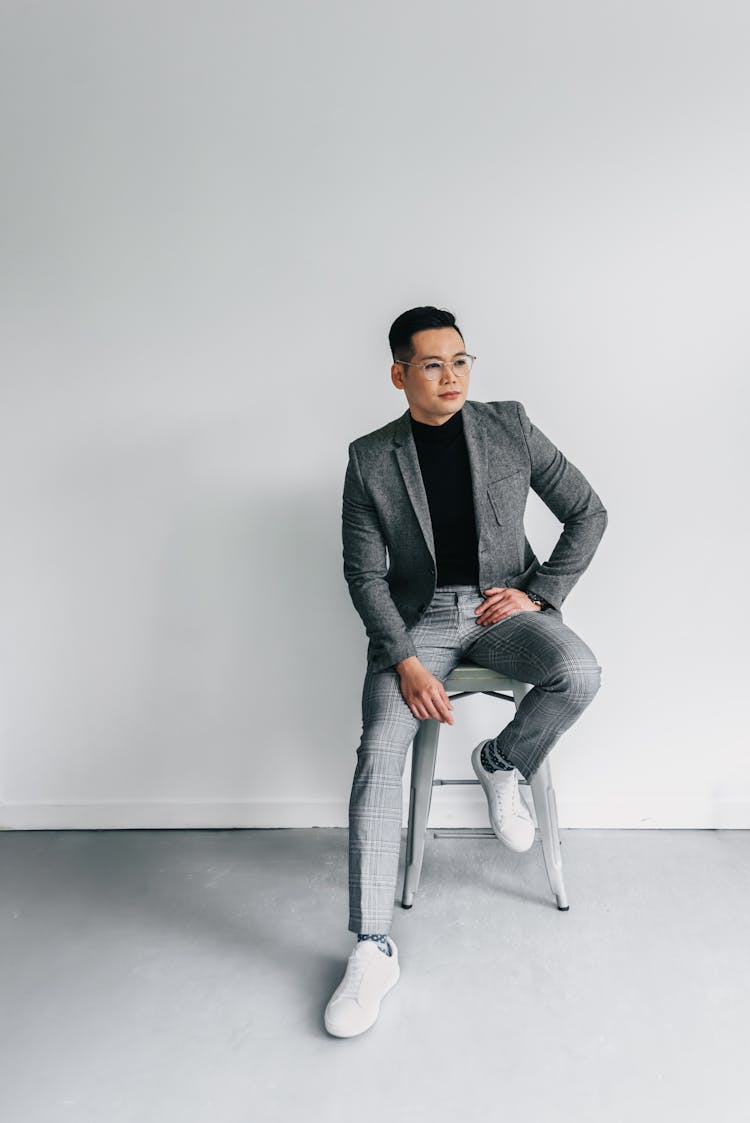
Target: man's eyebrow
{"type": "Point", "coordinates": [440, 357]}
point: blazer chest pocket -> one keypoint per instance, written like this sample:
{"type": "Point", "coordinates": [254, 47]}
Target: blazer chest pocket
{"type": "Point", "coordinates": [507, 495]}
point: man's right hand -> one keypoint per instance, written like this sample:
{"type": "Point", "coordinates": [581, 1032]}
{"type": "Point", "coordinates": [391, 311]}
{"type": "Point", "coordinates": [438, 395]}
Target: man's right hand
{"type": "Point", "coordinates": [423, 693]}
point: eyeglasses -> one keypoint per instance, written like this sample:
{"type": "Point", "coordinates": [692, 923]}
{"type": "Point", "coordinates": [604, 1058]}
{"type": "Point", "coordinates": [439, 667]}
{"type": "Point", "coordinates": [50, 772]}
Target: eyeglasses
{"type": "Point", "coordinates": [433, 368]}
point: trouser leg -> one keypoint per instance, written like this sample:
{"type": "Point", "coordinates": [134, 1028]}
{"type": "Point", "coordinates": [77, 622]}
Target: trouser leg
{"type": "Point", "coordinates": [375, 805]}
{"type": "Point", "coordinates": [538, 648]}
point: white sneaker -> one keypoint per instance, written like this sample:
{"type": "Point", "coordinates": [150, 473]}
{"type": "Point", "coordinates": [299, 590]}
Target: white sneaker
{"type": "Point", "coordinates": [355, 1004]}
{"type": "Point", "coordinates": [510, 817]}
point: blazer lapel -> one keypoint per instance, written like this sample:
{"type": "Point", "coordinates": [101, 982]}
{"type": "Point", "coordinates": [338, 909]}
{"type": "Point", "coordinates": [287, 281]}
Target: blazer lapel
{"type": "Point", "coordinates": [406, 454]}
{"type": "Point", "coordinates": [476, 445]}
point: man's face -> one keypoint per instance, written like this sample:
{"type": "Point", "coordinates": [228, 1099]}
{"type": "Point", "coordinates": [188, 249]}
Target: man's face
{"type": "Point", "coordinates": [433, 402]}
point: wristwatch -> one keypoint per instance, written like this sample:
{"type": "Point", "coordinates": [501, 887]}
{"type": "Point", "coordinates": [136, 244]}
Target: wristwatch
{"type": "Point", "coordinates": [537, 599]}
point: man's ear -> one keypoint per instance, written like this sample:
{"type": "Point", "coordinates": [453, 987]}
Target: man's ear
{"type": "Point", "coordinates": [397, 376]}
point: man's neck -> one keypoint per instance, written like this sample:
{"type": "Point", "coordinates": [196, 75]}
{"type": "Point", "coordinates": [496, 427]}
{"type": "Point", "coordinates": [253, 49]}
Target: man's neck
{"type": "Point", "coordinates": [436, 422]}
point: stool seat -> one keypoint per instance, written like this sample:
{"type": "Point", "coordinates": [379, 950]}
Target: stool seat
{"type": "Point", "coordinates": [465, 680]}
{"type": "Point", "coordinates": [468, 676]}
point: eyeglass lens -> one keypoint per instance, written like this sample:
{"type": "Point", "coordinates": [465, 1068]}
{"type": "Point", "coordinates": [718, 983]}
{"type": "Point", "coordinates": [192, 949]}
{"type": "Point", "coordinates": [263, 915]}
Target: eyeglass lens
{"type": "Point", "coordinates": [434, 368]}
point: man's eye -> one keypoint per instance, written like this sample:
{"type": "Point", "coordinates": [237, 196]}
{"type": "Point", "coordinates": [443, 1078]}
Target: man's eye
{"type": "Point", "coordinates": [460, 363]}
{"type": "Point", "coordinates": [432, 366]}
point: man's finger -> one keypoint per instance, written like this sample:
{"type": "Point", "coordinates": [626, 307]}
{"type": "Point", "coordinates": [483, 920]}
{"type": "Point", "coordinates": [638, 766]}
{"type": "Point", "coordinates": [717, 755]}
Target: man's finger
{"type": "Point", "coordinates": [424, 702]}
{"type": "Point", "coordinates": [447, 704]}
{"type": "Point", "coordinates": [495, 617]}
{"type": "Point", "coordinates": [491, 602]}
{"type": "Point", "coordinates": [435, 708]}
{"type": "Point", "coordinates": [445, 707]}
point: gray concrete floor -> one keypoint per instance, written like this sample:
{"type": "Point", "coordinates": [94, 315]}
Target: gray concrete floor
{"type": "Point", "coordinates": [156, 976]}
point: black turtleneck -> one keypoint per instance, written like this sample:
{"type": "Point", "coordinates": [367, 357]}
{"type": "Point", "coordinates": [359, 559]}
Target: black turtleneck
{"type": "Point", "coordinates": [444, 462]}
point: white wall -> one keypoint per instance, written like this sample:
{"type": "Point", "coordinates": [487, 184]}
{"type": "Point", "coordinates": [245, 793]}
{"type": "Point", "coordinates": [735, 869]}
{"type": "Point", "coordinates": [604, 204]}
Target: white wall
{"type": "Point", "coordinates": [212, 213]}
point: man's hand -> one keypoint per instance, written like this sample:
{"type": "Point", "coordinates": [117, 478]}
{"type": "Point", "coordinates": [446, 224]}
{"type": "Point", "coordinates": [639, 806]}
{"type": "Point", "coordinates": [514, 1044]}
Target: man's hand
{"type": "Point", "coordinates": [502, 602]}
{"type": "Point", "coordinates": [423, 693]}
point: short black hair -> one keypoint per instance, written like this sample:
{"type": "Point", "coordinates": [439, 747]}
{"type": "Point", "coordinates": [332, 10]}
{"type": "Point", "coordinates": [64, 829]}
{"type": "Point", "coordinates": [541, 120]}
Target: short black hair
{"type": "Point", "coordinates": [416, 319]}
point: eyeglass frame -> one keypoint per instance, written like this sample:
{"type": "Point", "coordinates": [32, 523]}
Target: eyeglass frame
{"type": "Point", "coordinates": [442, 363]}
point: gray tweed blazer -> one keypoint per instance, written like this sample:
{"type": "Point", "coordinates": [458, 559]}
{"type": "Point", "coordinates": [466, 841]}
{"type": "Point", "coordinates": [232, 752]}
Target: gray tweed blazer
{"type": "Point", "coordinates": [389, 552]}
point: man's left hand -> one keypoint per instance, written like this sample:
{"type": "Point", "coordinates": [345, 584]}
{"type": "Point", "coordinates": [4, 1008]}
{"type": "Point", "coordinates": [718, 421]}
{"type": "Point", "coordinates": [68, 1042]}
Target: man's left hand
{"type": "Point", "coordinates": [502, 602]}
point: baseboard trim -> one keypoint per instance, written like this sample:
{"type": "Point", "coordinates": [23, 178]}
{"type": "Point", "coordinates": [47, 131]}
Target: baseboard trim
{"type": "Point", "coordinates": [636, 814]}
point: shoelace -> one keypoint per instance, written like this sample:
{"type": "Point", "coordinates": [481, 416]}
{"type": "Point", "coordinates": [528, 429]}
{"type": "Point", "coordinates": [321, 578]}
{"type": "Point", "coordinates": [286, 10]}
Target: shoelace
{"type": "Point", "coordinates": [354, 972]}
{"type": "Point", "coordinates": [517, 805]}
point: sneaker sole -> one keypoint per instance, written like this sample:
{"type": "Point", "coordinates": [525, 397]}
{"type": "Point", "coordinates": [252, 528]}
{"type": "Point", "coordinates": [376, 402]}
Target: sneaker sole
{"type": "Point", "coordinates": [480, 774]}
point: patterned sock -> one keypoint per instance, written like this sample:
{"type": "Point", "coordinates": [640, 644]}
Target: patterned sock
{"type": "Point", "coordinates": [489, 764]}
{"type": "Point", "coordinates": [381, 939]}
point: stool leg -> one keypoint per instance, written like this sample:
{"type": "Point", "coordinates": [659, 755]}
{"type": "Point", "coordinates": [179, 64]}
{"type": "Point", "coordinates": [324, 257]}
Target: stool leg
{"type": "Point", "coordinates": [545, 809]}
{"type": "Point", "coordinates": [423, 757]}
{"type": "Point", "coordinates": [546, 815]}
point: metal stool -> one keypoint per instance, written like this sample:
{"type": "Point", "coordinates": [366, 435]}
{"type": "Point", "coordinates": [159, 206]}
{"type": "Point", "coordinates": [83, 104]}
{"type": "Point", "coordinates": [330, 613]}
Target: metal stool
{"type": "Point", "coordinates": [467, 679]}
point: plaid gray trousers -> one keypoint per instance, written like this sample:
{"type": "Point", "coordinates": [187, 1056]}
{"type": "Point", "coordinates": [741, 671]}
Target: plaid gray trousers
{"type": "Point", "coordinates": [533, 647]}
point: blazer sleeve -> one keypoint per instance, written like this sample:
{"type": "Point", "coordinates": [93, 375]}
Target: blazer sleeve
{"type": "Point", "coordinates": [569, 495]}
{"type": "Point", "coordinates": [365, 568]}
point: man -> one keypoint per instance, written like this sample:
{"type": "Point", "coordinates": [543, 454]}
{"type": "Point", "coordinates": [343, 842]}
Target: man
{"type": "Point", "coordinates": [439, 568]}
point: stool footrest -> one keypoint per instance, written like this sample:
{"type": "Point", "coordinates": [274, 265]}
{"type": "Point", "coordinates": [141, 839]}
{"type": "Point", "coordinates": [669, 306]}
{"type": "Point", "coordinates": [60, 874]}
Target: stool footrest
{"type": "Point", "coordinates": [462, 832]}
{"type": "Point", "coordinates": [438, 783]}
